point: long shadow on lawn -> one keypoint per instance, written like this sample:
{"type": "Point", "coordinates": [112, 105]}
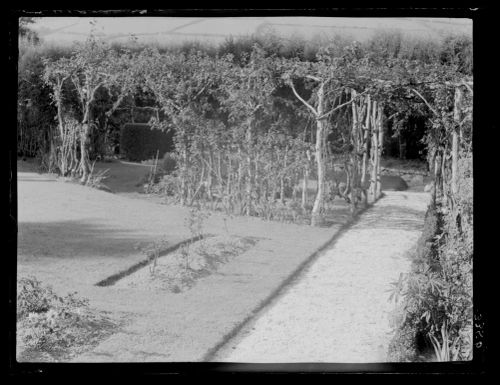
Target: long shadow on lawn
{"type": "Point", "coordinates": [67, 239]}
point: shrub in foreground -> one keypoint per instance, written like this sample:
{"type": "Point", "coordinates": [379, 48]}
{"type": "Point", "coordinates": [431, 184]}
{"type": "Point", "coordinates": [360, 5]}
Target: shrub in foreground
{"type": "Point", "coordinates": [437, 294]}
{"type": "Point", "coordinates": [49, 324]}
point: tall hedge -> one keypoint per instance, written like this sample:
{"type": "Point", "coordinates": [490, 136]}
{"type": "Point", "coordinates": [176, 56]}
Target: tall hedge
{"type": "Point", "coordinates": [139, 142]}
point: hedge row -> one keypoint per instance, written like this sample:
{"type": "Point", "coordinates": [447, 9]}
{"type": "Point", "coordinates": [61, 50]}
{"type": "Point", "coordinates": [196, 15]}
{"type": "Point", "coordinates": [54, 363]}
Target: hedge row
{"type": "Point", "coordinates": [139, 142]}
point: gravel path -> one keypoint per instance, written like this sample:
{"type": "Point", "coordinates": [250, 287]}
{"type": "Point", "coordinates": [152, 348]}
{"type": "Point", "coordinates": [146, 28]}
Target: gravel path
{"type": "Point", "coordinates": [337, 310]}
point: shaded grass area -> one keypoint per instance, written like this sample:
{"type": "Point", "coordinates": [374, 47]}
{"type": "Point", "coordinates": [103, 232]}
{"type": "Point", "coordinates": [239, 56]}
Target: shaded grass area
{"type": "Point", "coordinates": [404, 164]}
{"type": "Point", "coordinates": [123, 176]}
{"type": "Point", "coordinates": [28, 165]}
{"type": "Point", "coordinates": [120, 177]}
{"type": "Point", "coordinates": [82, 238]}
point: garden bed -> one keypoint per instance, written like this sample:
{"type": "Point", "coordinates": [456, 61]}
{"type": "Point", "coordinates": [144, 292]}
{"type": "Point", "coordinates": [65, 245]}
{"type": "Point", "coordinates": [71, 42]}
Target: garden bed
{"type": "Point", "coordinates": [181, 269]}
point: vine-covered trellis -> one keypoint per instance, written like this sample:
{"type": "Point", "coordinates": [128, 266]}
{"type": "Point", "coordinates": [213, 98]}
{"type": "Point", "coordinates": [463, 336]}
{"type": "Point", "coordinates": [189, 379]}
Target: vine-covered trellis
{"type": "Point", "coordinates": [249, 135]}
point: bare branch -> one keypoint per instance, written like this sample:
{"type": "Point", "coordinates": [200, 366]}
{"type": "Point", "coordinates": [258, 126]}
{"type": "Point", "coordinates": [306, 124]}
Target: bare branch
{"type": "Point", "coordinates": [302, 100]}
{"type": "Point", "coordinates": [425, 101]}
{"type": "Point", "coordinates": [147, 108]}
{"type": "Point", "coordinates": [174, 105]}
{"type": "Point", "coordinates": [200, 92]}
{"type": "Point", "coordinates": [313, 78]}
{"type": "Point", "coordinates": [97, 87]}
{"type": "Point", "coordinates": [167, 100]}
{"type": "Point", "coordinates": [392, 116]}
{"type": "Point", "coordinates": [341, 105]}
{"type": "Point", "coordinates": [116, 104]}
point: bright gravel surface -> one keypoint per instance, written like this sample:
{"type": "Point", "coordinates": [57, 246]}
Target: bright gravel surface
{"type": "Point", "coordinates": [338, 309]}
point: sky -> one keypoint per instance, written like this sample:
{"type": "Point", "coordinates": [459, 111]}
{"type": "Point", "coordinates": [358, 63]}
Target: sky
{"type": "Point", "coordinates": [67, 29]}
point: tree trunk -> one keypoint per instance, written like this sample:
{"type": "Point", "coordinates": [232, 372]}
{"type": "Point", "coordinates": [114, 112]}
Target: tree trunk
{"type": "Point", "coordinates": [210, 174]}
{"type": "Point", "coordinates": [374, 153]}
{"type": "Point", "coordinates": [62, 135]}
{"type": "Point", "coordinates": [366, 138]}
{"type": "Point", "coordinates": [438, 192]}
{"type": "Point", "coordinates": [320, 162]}
{"type": "Point", "coordinates": [240, 168]}
{"type": "Point", "coordinates": [184, 170]}
{"type": "Point", "coordinates": [257, 182]}
{"type": "Point", "coordinates": [455, 143]}
{"type": "Point", "coordinates": [228, 176]}
{"type": "Point", "coordinates": [85, 142]}
{"type": "Point", "coordinates": [380, 143]}
{"type": "Point", "coordinates": [444, 178]}
{"type": "Point", "coordinates": [354, 154]}
{"type": "Point", "coordinates": [304, 188]}
{"type": "Point", "coordinates": [84, 156]}
{"type": "Point", "coordinates": [282, 179]}
{"type": "Point", "coordinates": [249, 187]}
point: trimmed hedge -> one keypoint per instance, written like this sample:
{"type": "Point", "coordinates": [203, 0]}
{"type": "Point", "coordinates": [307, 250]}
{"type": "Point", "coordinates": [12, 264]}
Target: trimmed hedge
{"type": "Point", "coordinates": [139, 142]}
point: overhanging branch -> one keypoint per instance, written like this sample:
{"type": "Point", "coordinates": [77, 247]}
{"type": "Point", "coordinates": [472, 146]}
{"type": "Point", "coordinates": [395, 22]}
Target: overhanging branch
{"type": "Point", "coordinates": [425, 101]}
{"type": "Point", "coordinates": [302, 100]}
{"type": "Point", "coordinates": [341, 105]}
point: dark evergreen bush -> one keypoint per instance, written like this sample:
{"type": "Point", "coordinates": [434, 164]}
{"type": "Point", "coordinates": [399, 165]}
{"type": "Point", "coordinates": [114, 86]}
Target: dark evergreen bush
{"type": "Point", "coordinates": [139, 142]}
{"type": "Point", "coordinates": [168, 163]}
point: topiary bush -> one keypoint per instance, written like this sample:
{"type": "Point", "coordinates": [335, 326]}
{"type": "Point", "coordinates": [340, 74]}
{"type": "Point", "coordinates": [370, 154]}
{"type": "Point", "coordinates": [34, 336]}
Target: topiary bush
{"type": "Point", "coordinates": [139, 142]}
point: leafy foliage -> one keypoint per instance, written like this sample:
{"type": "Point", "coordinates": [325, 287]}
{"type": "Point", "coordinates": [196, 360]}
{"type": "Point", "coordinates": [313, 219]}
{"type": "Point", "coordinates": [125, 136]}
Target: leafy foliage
{"type": "Point", "coordinates": [437, 294]}
{"type": "Point", "coordinates": [35, 113]}
{"type": "Point", "coordinates": [50, 324]}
